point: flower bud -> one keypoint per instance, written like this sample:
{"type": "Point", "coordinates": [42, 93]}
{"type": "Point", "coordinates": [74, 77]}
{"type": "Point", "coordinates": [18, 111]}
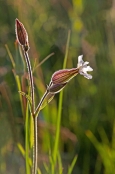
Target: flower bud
{"type": "Point", "coordinates": [21, 35]}
{"type": "Point", "coordinates": [55, 88]}
{"type": "Point", "coordinates": [64, 75]}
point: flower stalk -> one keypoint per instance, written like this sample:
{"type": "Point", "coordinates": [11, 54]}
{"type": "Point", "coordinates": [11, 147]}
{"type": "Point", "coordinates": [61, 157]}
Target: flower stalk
{"type": "Point", "coordinates": [40, 103]}
{"type": "Point", "coordinates": [31, 81]}
{"type": "Point", "coordinates": [22, 38]}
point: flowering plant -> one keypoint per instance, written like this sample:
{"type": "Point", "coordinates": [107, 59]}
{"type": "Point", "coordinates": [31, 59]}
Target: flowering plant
{"type": "Point", "coordinates": [61, 77]}
{"type": "Point", "coordinates": [58, 81]}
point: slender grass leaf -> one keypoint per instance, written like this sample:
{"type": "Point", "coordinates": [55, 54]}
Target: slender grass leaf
{"type": "Point", "coordinates": [72, 165]}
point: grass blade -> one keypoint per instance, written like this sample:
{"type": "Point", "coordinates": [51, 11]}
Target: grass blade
{"type": "Point", "coordinates": [55, 151]}
{"type": "Point", "coordinates": [72, 165]}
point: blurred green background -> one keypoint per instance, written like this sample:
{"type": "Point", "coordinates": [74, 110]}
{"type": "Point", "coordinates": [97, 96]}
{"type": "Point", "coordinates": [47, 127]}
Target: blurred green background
{"type": "Point", "coordinates": [88, 111]}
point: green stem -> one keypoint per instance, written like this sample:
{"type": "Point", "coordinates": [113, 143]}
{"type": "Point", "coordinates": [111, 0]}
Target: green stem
{"type": "Point", "coordinates": [30, 80]}
{"type": "Point", "coordinates": [58, 125]}
{"type": "Point", "coordinates": [35, 147]}
{"type": "Point", "coordinates": [27, 141]}
{"type": "Point", "coordinates": [40, 103]}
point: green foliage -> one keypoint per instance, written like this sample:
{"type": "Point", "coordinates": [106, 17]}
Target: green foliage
{"type": "Point", "coordinates": [105, 150]}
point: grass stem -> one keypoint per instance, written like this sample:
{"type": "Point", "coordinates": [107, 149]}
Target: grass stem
{"type": "Point", "coordinates": [58, 125]}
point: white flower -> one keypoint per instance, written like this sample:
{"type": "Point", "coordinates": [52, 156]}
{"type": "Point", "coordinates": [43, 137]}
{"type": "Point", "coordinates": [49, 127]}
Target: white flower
{"type": "Point", "coordinates": [83, 68]}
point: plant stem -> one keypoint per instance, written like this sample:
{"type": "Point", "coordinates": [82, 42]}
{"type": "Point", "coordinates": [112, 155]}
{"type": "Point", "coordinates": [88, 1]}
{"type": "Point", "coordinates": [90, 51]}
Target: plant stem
{"type": "Point", "coordinates": [34, 112]}
{"type": "Point", "coordinates": [31, 81]}
{"type": "Point", "coordinates": [35, 146]}
{"type": "Point", "coordinates": [40, 103]}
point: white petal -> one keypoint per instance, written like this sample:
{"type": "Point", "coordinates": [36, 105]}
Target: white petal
{"type": "Point", "coordinates": [80, 61]}
{"type": "Point", "coordinates": [85, 63]}
{"type": "Point", "coordinates": [83, 68]}
{"type": "Point", "coordinates": [89, 68]}
{"type": "Point", "coordinates": [88, 76]}
{"type": "Point", "coordinates": [82, 73]}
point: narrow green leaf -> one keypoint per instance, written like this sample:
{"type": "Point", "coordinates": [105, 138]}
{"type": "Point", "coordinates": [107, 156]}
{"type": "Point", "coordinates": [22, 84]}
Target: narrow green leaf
{"type": "Point", "coordinates": [27, 96]}
{"type": "Point", "coordinates": [72, 165]}
{"type": "Point", "coordinates": [31, 136]}
{"type": "Point", "coordinates": [21, 149]}
{"type": "Point", "coordinates": [60, 167]}
{"type": "Point", "coordinates": [10, 56]}
{"type": "Point", "coordinates": [23, 153]}
{"type": "Point", "coordinates": [46, 167]}
{"type": "Point", "coordinates": [27, 140]}
{"type": "Point", "coordinates": [19, 89]}
{"type": "Point", "coordinates": [39, 171]}
{"type": "Point", "coordinates": [55, 150]}
{"type": "Point", "coordinates": [46, 58]}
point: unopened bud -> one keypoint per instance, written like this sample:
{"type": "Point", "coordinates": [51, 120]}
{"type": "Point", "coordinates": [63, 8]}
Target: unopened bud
{"type": "Point", "coordinates": [21, 35]}
{"type": "Point", "coordinates": [55, 88]}
{"type": "Point", "coordinates": [64, 75]}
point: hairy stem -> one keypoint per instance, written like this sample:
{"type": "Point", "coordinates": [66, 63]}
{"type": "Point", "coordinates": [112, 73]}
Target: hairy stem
{"type": "Point", "coordinates": [40, 103]}
{"type": "Point", "coordinates": [30, 80]}
{"type": "Point", "coordinates": [35, 146]}
{"type": "Point", "coordinates": [34, 112]}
